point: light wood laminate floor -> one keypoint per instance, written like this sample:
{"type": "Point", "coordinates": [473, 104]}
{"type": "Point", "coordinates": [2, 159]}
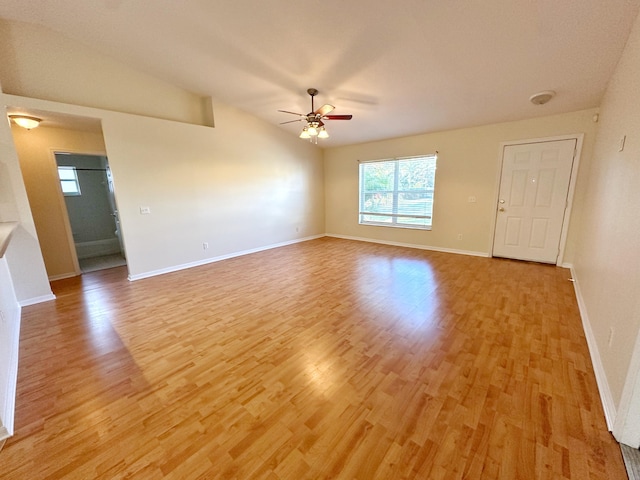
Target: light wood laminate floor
{"type": "Point", "coordinates": [329, 359]}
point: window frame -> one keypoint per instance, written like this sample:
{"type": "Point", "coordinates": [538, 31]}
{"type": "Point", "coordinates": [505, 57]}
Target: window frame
{"type": "Point", "coordinates": [69, 168]}
{"type": "Point", "coordinates": [396, 192]}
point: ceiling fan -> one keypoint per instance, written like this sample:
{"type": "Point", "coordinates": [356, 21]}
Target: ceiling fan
{"type": "Point", "coordinates": [315, 125]}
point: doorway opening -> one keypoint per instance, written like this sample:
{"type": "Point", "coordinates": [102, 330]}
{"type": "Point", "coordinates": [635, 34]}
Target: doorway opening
{"type": "Point", "coordinates": [87, 187]}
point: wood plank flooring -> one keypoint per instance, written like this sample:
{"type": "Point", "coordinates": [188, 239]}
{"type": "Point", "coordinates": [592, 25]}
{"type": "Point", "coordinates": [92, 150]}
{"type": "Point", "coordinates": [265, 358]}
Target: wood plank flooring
{"type": "Point", "coordinates": [329, 359]}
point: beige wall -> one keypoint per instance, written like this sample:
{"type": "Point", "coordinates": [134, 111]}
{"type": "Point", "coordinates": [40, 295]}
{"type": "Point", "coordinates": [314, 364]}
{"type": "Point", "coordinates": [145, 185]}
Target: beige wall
{"type": "Point", "coordinates": [607, 261]}
{"type": "Point", "coordinates": [40, 63]}
{"type": "Point", "coordinates": [35, 150]}
{"type": "Point", "coordinates": [468, 165]}
{"type": "Point", "coordinates": [241, 186]}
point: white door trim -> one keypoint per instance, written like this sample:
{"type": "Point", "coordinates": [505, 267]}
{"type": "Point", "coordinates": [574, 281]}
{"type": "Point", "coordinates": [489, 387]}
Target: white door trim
{"type": "Point", "coordinates": [578, 137]}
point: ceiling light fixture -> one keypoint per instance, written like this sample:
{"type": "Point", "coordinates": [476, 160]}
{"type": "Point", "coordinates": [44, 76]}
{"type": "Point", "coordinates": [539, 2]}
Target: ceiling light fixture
{"type": "Point", "coordinates": [305, 133]}
{"type": "Point", "coordinates": [541, 98]}
{"type": "Point", "coordinates": [314, 129]}
{"type": "Point", "coordinates": [26, 121]}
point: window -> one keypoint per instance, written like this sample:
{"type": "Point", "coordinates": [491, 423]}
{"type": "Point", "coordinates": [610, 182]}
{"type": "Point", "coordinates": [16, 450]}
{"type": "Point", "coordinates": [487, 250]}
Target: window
{"type": "Point", "coordinates": [398, 192]}
{"type": "Point", "coordinates": [69, 181]}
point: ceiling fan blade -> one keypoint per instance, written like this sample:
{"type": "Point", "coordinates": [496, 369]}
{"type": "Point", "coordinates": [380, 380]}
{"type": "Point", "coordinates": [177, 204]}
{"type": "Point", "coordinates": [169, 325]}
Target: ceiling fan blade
{"type": "Point", "coordinates": [292, 113]}
{"type": "Point", "coordinates": [338, 117]}
{"type": "Point", "coordinates": [323, 110]}
{"type": "Point", "coordinates": [291, 121]}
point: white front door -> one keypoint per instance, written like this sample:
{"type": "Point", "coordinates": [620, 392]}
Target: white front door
{"type": "Point", "coordinates": [532, 201]}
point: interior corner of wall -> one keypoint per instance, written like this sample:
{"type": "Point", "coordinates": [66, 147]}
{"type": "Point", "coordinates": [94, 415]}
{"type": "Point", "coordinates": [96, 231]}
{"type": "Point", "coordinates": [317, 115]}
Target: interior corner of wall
{"type": "Point", "coordinates": [208, 118]}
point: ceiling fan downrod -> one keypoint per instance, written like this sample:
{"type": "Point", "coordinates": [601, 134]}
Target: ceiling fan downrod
{"type": "Point", "coordinates": [313, 92]}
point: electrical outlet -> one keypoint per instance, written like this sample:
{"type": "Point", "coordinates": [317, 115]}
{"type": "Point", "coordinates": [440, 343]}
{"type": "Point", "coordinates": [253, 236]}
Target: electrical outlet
{"type": "Point", "coordinates": [145, 210]}
{"type": "Point", "coordinates": [205, 245]}
{"type": "Point", "coordinates": [472, 199]}
{"type": "Point", "coordinates": [459, 236]}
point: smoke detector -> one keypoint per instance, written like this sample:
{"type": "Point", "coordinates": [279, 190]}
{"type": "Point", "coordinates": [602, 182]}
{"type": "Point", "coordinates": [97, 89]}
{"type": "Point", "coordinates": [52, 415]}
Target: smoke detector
{"type": "Point", "coordinates": [541, 98]}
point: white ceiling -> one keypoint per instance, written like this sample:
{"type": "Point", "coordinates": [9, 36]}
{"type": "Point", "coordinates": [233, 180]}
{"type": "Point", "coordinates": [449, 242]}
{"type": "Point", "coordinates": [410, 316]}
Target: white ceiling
{"type": "Point", "coordinates": [401, 68]}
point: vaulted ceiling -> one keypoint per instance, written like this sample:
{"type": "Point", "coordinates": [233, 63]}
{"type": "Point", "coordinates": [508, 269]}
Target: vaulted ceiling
{"type": "Point", "coordinates": [400, 68]}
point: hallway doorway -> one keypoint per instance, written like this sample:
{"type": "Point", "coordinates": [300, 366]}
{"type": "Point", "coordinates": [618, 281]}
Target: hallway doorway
{"type": "Point", "coordinates": [87, 187]}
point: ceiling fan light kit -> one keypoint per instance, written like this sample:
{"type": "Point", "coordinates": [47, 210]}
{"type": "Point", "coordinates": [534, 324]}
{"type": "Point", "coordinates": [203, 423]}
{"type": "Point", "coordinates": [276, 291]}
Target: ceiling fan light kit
{"type": "Point", "coordinates": [315, 128]}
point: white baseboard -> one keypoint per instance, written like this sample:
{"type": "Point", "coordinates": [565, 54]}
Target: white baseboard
{"type": "Point", "coordinates": [62, 276]}
{"type": "Point", "coordinates": [206, 261]}
{"type": "Point", "coordinates": [9, 401]}
{"type": "Point", "coordinates": [606, 398]}
{"type": "Point", "coordinates": [34, 300]}
{"type": "Point", "coordinates": [411, 245]}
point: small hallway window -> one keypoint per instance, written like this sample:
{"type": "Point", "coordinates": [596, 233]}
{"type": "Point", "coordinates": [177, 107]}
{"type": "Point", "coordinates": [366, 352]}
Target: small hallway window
{"type": "Point", "coordinates": [69, 181]}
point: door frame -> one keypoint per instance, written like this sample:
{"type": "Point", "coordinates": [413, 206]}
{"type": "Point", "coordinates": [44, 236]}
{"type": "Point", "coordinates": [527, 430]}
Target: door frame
{"type": "Point", "coordinates": [578, 137]}
{"type": "Point", "coordinates": [63, 206]}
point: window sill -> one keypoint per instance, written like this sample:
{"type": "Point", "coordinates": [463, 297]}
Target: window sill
{"type": "Point", "coordinates": [390, 225]}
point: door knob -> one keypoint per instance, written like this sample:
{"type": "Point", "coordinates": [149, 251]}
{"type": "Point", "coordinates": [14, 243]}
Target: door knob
{"type": "Point", "coordinates": [501, 209]}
